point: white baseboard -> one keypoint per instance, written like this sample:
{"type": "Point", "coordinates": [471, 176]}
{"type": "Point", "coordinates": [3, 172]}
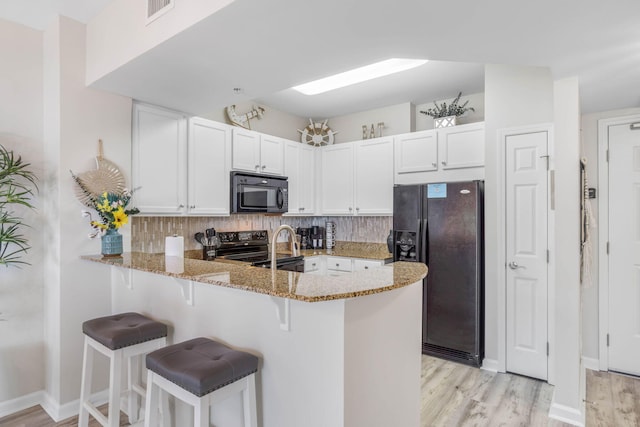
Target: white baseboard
{"type": "Point", "coordinates": [591, 363]}
{"type": "Point", "coordinates": [56, 411]}
{"type": "Point", "coordinates": [489, 365]}
{"type": "Point", "coordinates": [566, 414]}
{"type": "Point", "coordinates": [21, 403]}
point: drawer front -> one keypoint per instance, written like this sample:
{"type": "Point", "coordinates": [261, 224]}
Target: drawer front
{"type": "Point", "coordinates": [366, 264]}
{"type": "Point", "coordinates": [339, 264]}
{"type": "Point", "coordinates": [311, 264]}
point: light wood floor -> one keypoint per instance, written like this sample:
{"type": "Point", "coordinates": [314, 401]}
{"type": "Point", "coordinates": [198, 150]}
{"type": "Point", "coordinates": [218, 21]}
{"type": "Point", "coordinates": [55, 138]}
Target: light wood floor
{"type": "Point", "coordinates": [458, 395]}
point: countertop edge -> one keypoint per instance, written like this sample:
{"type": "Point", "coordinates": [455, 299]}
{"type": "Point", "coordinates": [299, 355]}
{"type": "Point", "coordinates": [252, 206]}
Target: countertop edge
{"type": "Point", "coordinates": [407, 274]}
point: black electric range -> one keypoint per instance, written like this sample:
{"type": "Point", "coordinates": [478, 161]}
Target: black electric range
{"type": "Point", "coordinates": [253, 247]}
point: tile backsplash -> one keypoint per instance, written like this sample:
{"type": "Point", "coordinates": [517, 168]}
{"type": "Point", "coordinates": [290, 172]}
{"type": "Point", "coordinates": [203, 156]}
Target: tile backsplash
{"type": "Point", "coordinates": [148, 233]}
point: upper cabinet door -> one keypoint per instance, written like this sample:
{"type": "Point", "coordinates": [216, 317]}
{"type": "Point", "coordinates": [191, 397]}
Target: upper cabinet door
{"type": "Point", "coordinates": [246, 150]}
{"type": "Point", "coordinates": [271, 155]}
{"type": "Point", "coordinates": [416, 152]}
{"type": "Point", "coordinates": [337, 179]}
{"type": "Point", "coordinates": [307, 177]}
{"type": "Point", "coordinates": [374, 177]}
{"type": "Point", "coordinates": [462, 146]}
{"type": "Point", "coordinates": [209, 152]}
{"type": "Point", "coordinates": [291, 168]}
{"type": "Point", "coordinates": [158, 160]}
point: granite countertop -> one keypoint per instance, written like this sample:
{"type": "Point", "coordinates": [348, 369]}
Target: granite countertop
{"type": "Point", "coordinates": [374, 251]}
{"type": "Point", "coordinates": [285, 284]}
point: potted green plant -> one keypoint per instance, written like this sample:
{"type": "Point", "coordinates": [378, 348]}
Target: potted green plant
{"type": "Point", "coordinates": [445, 115]}
{"type": "Point", "coordinates": [17, 183]}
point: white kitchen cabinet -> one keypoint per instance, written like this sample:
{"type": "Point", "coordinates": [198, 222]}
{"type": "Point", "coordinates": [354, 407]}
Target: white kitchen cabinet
{"type": "Point", "coordinates": [179, 166]}
{"type": "Point", "coordinates": [416, 152]}
{"type": "Point", "coordinates": [256, 152]}
{"type": "Point", "coordinates": [366, 264]}
{"type": "Point", "coordinates": [462, 146]}
{"type": "Point", "coordinates": [300, 167]}
{"type": "Point", "coordinates": [374, 177]}
{"type": "Point", "coordinates": [337, 179]}
{"type": "Point", "coordinates": [357, 178]}
{"type": "Point", "coordinates": [209, 160]}
{"type": "Point", "coordinates": [159, 144]}
{"type": "Point", "coordinates": [447, 154]}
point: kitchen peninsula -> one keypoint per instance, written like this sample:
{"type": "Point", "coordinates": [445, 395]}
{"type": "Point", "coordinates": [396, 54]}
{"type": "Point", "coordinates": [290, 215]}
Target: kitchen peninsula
{"type": "Point", "coordinates": [335, 351]}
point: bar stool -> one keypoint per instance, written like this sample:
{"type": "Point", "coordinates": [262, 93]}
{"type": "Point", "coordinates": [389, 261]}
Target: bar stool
{"type": "Point", "coordinates": [201, 372]}
{"type": "Point", "coordinates": [120, 337]}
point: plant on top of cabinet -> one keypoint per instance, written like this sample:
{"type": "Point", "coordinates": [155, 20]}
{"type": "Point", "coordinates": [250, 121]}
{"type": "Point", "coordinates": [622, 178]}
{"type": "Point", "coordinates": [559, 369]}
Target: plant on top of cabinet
{"type": "Point", "coordinates": [445, 115]}
{"type": "Point", "coordinates": [16, 182]}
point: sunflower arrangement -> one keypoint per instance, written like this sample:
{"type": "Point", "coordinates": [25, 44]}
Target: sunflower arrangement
{"type": "Point", "coordinates": [111, 208]}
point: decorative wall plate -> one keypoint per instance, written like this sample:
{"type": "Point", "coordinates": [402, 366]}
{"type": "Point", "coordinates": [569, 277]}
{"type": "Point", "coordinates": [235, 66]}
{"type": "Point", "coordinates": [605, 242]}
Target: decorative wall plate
{"type": "Point", "coordinates": [317, 134]}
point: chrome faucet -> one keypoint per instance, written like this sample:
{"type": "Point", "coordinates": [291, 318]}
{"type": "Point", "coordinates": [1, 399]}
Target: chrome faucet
{"type": "Point", "coordinates": [274, 239]}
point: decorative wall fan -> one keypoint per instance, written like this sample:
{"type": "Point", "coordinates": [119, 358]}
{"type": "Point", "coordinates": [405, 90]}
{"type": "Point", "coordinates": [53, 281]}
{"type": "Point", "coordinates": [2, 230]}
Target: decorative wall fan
{"type": "Point", "coordinates": [106, 177]}
{"type": "Point", "coordinates": [317, 134]}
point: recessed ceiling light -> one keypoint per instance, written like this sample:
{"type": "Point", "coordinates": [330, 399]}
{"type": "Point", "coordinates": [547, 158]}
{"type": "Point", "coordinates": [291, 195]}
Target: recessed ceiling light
{"type": "Point", "coordinates": [358, 75]}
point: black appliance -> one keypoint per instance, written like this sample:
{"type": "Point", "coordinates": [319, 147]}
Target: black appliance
{"type": "Point", "coordinates": [311, 237]}
{"type": "Point", "coordinates": [253, 247]}
{"type": "Point", "coordinates": [256, 193]}
{"type": "Point", "coordinates": [442, 225]}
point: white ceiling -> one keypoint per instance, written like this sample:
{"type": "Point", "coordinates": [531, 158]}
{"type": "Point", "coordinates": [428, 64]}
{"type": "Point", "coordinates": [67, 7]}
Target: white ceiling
{"type": "Point", "coordinates": [265, 47]}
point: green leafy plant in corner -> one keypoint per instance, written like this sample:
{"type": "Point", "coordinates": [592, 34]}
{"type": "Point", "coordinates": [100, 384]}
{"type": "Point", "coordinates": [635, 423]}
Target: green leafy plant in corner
{"type": "Point", "coordinates": [444, 110]}
{"type": "Point", "coordinates": [17, 184]}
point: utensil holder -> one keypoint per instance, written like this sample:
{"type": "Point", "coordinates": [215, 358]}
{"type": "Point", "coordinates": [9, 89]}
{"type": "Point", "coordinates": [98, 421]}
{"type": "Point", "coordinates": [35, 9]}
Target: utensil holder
{"type": "Point", "coordinates": [209, 253]}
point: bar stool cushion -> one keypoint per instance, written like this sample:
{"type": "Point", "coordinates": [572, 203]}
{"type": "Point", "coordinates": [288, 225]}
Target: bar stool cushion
{"type": "Point", "coordinates": [123, 330]}
{"type": "Point", "coordinates": [201, 365]}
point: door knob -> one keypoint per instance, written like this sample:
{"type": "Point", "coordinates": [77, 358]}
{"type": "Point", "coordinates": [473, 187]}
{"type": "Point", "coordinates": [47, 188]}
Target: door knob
{"type": "Point", "coordinates": [514, 265]}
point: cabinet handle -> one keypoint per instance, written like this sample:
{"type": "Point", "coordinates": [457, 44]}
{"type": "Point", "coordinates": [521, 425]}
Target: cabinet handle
{"type": "Point", "coordinates": [357, 208]}
{"type": "Point", "coordinates": [434, 164]}
{"type": "Point", "coordinates": [366, 267]}
{"type": "Point", "coordinates": [263, 167]}
{"type": "Point", "coordinates": [444, 163]}
{"type": "Point", "coordinates": [302, 209]}
{"type": "Point", "coordinates": [257, 167]}
{"type": "Point", "coordinates": [350, 208]}
{"type": "Point", "coordinates": [192, 206]}
{"type": "Point", "coordinates": [313, 265]}
{"type": "Point", "coordinates": [337, 265]}
{"type": "Point", "coordinates": [181, 206]}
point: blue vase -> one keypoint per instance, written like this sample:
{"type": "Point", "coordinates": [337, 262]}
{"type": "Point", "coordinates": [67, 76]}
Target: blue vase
{"type": "Point", "coordinates": [112, 243]}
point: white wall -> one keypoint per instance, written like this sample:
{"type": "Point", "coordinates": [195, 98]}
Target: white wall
{"type": "Point", "coordinates": [21, 289]}
{"type": "Point", "coordinates": [567, 402]}
{"type": "Point", "coordinates": [75, 118]}
{"type": "Point", "coordinates": [589, 150]}
{"type": "Point", "coordinates": [514, 96]}
{"type": "Point", "coordinates": [273, 122]}
{"type": "Point", "coordinates": [119, 33]}
{"type": "Point", "coordinates": [476, 101]}
{"type": "Point", "coordinates": [397, 119]}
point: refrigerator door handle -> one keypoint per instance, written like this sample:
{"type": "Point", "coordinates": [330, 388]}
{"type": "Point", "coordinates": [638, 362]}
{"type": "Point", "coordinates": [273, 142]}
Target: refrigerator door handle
{"type": "Point", "coordinates": [424, 236]}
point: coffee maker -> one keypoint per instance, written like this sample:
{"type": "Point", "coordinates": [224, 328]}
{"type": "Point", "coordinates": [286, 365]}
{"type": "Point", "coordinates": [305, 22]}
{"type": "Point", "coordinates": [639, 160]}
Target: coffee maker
{"type": "Point", "coordinates": [311, 237]}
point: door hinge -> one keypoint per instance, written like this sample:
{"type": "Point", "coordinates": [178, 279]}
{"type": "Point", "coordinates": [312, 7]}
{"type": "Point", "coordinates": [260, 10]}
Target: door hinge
{"type": "Point", "coordinates": [607, 248]}
{"type": "Point", "coordinates": [547, 348]}
{"type": "Point", "coordinates": [547, 159]}
{"type": "Point", "coordinates": [607, 340]}
{"type": "Point", "coordinates": [548, 256]}
{"type": "Point", "coordinates": [607, 155]}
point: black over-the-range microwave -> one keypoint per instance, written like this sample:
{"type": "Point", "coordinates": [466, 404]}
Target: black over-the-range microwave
{"type": "Point", "coordinates": [256, 193]}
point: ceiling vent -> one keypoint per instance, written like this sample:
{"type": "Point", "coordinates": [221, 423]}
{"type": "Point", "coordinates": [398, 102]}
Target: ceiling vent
{"type": "Point", "coordinates": [157, 8]}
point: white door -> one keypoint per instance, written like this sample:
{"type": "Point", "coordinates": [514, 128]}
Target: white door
{"type": "Point", "coordinates": [158, 159]}
{"type": "Point", "coordinates": [374, 177]}
{"type": "Point", "coordinates": [209, 158]}
{"type": "Point", "coordinates": [624, 249]}
{"type": "Point", "coordinates": [337, 179]}
{"type": "Point", "coordinates": [526, 254]}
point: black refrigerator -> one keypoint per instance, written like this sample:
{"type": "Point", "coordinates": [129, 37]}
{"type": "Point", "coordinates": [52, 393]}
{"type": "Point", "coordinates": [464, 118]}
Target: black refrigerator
{"type": "Point", "coordinates": [442, 226]}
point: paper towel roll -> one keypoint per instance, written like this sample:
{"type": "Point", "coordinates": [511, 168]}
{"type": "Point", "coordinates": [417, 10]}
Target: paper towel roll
{"type": "Point", "coordinates": [174, 246]}
{"type": "Point", "coordinates": [174, 264]}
